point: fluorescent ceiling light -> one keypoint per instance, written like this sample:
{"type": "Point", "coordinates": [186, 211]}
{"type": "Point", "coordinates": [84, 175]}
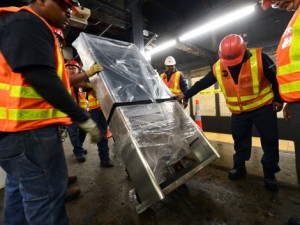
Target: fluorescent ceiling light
{"type": "Point", "coordinates": [228, 18]}
{"type": "Point", "coordinates": [161, 47]}
{"type": "Point", "coordinates": [147, 56]}
{"type": "Point", "coordinates": [238, 14]}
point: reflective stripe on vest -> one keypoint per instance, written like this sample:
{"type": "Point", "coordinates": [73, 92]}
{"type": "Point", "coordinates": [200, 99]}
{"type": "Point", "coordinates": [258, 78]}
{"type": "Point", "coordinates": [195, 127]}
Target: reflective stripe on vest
{"type": "Point", "coordinates": [253, 89]}
{"type": "Point", "coordinates": [174, 83]}
{"type": "Point", "coordinates": [83, 102]}
{"type": "Point", "coordinates": [90, 103]}
{"type": "Point", "coordinates": [93, 102]}
{"type": "Point", "coordinates": [21, 107]}
{"type": "Point", "coordinates": [288, 61]}
{"type": "Point", "coordinates": [30, 114]}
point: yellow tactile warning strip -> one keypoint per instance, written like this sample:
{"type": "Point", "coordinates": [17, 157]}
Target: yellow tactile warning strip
{"type": "Point", "coordinates": [284, 145]}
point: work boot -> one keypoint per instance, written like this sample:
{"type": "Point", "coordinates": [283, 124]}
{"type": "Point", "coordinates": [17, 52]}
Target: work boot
{"type": "Point", "coordinates": [72, 193]}
{"type": "Point", "coordinates": [270, 181]}
{"type": "Point", "coordinates": [294, 221]}
{"type": "Point", "coordinates": [106, 164]}
{"type": "Point", "coordinates": [237, 173]}
{"type": "Point", "coordinates": [80, 159]}
{"type": "Point", "coordinates": [72, 179]}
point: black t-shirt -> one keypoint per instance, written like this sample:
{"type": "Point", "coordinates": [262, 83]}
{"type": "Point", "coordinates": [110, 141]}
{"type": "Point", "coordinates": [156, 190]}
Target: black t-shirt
{"type": "Point", "coordinates": [28, 46]}
{"type": "Point", "coordinates": [26, 41]}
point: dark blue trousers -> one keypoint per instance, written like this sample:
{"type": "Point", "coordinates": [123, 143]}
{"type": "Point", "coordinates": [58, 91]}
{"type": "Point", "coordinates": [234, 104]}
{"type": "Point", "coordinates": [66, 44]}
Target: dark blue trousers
{"type": "Point", "coordinates": [265, 121]}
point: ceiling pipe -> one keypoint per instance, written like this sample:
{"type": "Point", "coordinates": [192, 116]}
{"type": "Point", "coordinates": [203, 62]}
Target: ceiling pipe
{"type": "Point", "coordinates": [106, 29]}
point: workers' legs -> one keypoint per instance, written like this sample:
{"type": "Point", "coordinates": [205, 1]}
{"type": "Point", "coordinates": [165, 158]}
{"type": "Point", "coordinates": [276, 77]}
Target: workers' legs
{"type": "Point", "coordinates": [36, 177]}
{"type": "Point", "coordinates": [13, 212]}
{"type": "Point", "coordinates": [265, 120]}
{"type": "Point", "coordinates": [294, 110]}
{"type": "Point", "coordinates": [241, 128]}
{"type": "Point", "coordinates": [103, 149]}
{"type": "Point", "coordinates": [82, 136]}
{"type": "Point", "coordinates": [78, 150]}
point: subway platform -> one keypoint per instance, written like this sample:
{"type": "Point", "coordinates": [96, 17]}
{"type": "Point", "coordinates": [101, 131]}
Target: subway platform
{"type": "Point", "coordinates": [209, 198]}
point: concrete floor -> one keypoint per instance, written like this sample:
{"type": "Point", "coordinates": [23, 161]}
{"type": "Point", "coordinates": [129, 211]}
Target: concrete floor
{"type": "Point", "coordinates": [209, 198]}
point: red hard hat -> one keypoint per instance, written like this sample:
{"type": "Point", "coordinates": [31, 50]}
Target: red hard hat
{"type": "Point", "coordinates": [73, 4]}
{"type": "Point", "coordinates": [265, 4]}
{"type": "Point", "coordinates": [60, 35]}
{"type": "Point", "coordinates": [232, 49]}
{"type": "Point", "coordinates": [72, 62]}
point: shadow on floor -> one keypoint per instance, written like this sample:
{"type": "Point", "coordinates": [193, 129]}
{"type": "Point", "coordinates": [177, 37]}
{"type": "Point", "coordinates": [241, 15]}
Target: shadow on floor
{"type": "Point", "coordinates": [209, 198]}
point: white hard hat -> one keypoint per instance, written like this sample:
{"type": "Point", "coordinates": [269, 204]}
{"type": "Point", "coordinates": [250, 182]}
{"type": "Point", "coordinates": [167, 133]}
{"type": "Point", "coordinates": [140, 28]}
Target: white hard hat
{"type": "Point", "coordinates": [170, 61]}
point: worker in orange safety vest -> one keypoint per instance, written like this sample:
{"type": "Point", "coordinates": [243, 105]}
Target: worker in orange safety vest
{"type": "Point", "coordinates": [93, 107]}
{"type": "Point", "coordinates": [35, 101]}
{"type": "Point", "coordinates": [173, 78]}
{"type": "Point", "coordinates": [248, 82]}
{"type": "Point", "coordinates": [79, 79]}
{"type": "Point", "coordinates": [288, 75]}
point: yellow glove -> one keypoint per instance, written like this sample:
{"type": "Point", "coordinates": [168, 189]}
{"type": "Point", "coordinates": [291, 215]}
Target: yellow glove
{"type": "Point", "coordinates": [93, 69]}
{"type": "Point", "coordinates": [92, 129]}
{"type": "Point", "coordinates": [88, 85]}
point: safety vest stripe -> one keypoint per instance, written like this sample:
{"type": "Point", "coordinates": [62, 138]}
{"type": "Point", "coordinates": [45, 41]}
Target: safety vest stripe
{"type": "Point", "coordinates": [250, 97]}
{"type": "Point", "coordinates": [294, 65]}
{"type": "Point", "coordinates": [60, 65]}
{"type": "Point", "coordinates": [174, 92]}
{"type": "Point", "coordinates": [253, 105]}
{"type": "Point", "coordinates": [24, 92]}
{"type": "Point", "coordinates": [231, 99]}
{"type": "Point", "coordinates": [91, 104]}
{"type": "Point", "coordinates": [219, 76]}
{"type": "Point", "coordinates": [233, 108]}
{"type": "Point", "coordinates": [30, 114]}
{"type": "Point", "coordinates": [4, 86]}
{"type": "Point", "coordinates": [288, 68]}
{"type": "Point", "coordinates": [2, 113]}
{"type": "Point", "coordinates": [290, 87]}
{"type": "Point", "coordinates": [254, 71]}
{"type": "Point", "coordinates": [92, 101]}
{"type": "Point", "coordinates": [176, 85]}
{"type": "Point", "coordinates": [261, 101]}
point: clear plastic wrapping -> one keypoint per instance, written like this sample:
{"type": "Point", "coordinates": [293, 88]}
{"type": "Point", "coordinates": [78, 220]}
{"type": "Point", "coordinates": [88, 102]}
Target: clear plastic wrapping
{"type": "Point", "coordinates": [130, 93]}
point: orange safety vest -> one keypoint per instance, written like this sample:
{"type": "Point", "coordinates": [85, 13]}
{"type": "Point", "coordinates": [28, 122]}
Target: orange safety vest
{"type": "Point", "coordinates": [288, 61]}
{"type": "Point", "coordinates": [253, 89]}
{"type": "Point", "coordinates": [90, 103]}
{"type": "Point", "coordinates": [21, 107]}
{"type": "Point", "coordinates": [174, 83]}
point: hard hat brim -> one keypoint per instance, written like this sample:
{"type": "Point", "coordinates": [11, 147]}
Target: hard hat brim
{"type": "Point", "coordinates": [266, 4]}
{"type": "Point", "coordinates": [233, 62]}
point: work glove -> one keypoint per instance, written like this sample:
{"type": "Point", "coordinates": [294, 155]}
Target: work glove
{"type": "Point", "coordinates": [90, 127]}
{"type": "Point", "coordinates": [88, 85]}
{"type": "Point", "coordinates": [93, 70]}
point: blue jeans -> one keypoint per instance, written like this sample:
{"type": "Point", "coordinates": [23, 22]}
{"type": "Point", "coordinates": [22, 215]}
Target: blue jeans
{"type": "Point", "coordinates": [36, 180]}
{"type": "Point", "coordinates": [103, 149]}
{"type": "Point", "coordinates": [77, 138]}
